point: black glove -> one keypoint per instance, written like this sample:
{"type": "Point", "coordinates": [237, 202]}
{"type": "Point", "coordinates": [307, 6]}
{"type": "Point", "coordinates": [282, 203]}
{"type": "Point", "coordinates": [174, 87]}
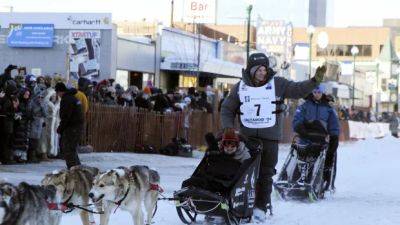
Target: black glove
{"type": "Point", "coordinates": [301, 129]}
{"type": "Point", "coordinates": [319, 74]}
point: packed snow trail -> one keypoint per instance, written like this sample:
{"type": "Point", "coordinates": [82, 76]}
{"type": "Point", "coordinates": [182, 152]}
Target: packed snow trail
{"type": "Point", "coordinates": [367, 184]}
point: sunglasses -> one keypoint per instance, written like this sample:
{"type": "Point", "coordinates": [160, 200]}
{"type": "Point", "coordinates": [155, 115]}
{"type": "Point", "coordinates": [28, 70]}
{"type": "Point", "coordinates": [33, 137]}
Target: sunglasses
{"type": "Point", "coordinates": [230, 143]}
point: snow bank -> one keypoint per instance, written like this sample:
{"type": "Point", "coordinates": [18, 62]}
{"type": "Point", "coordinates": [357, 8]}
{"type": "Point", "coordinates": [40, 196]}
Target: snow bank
{"type": "Point", "coordinates": [367, 193]}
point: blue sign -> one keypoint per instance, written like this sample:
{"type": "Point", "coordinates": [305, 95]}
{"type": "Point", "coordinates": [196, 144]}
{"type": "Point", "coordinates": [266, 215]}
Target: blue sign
{"type": "Point", "coordinates": [31, 35]}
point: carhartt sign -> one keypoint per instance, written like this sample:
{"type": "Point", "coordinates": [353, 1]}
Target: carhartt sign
{"type": "Point", "coordinates": [95, 21]}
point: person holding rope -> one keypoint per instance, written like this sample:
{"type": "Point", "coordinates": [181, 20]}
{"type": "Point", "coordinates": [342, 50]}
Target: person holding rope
{"type": "Point", "coordinates": [258, 99]}
{"type": "Point", "coordinates": [71, 124]}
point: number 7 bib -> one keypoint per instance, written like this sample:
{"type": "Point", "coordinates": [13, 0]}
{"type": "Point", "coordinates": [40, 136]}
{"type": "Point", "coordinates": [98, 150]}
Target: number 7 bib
{"type": "Point", "coordinates": [257, 105]}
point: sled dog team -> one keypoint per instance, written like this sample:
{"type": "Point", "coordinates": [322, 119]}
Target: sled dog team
{"type": "Point", "coordinates": [83, 190]}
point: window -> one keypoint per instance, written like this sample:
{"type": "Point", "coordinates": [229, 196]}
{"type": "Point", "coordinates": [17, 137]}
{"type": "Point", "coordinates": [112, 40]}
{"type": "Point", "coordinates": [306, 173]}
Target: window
{"type": "Point", "coordinates": [367, 50]}
{"type": "Point", "coordinates": [344, 50]}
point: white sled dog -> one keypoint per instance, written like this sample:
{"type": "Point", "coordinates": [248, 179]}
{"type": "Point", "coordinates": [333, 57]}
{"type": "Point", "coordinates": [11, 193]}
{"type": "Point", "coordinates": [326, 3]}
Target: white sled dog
{"type": "Point", "coordinates": [74, 186]}
{"type": "Point", "coordinates": [127, 188]}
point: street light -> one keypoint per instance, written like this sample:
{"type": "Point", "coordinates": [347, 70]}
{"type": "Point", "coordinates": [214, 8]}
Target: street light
{"type": "Point", "coordinates": [310, 33]}
{"type": "Point", "coordinates": [354, 52]}
{"type": "Point", "coordinates": [248, 9]}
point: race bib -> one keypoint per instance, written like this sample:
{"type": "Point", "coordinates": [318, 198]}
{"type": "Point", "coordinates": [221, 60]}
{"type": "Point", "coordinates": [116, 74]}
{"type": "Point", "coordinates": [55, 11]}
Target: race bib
{"type": "Point", "coordinates": [257, 105]}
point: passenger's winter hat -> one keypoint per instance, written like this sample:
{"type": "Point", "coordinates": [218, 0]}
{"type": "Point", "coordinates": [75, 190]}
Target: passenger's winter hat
{"type": "Point", "coordinates": [320, 88]}
{"type": "Point", "coordinates": [230, 136]}
{"type": "Point", "coordinates": [60, 87]}
{"type": "Point", "coordinates": [147, 90]}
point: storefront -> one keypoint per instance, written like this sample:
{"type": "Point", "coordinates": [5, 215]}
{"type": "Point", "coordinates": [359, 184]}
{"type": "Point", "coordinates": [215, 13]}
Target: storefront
{"type": "Point", "coordinates": [183, 65]}
{"type": "Point", "coordinates": [136, 62]}
{"type": "Point", "coordinates": [69, 44]}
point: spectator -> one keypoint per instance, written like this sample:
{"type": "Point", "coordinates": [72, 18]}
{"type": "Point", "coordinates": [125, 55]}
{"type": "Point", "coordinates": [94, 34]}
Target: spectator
{"type": "Point", "coordinates": [161, 103]}
{"type": "Point", "coordinates": [8, 105]}
{"type": "Point", "coordinates": [203, 104]}
{"type": "Point", "coordinates": [394, 125]}
{"type": "Point", "coordinates": [30, 81]}
{"type": "Point", "coordinates": [187, 111]}
{"type": "Point", "coordinates": [22, 126]}
{"type": "Point", "coordinates": [80, 95]}
{"type": "Point", "coordinates": [38, 111]}
{"type": "Point", "coordinates": [143, 99]}
{"type": "Point", "coordinates": [222, 100]}
{"type": "Point", "coordinates": [210, 95]}
{"type": "Point", "coordinates": [127, 99]}
{"type": "Point", "coordinates": [70, 128]}
{"type": "Point", "coordinates": [6, 76]}
{"type": "Point", "coordinates": [48, 133]}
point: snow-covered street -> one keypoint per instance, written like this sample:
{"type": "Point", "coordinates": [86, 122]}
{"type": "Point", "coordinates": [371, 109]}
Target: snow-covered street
{"type": "Point", "coordinates": [367, 193]}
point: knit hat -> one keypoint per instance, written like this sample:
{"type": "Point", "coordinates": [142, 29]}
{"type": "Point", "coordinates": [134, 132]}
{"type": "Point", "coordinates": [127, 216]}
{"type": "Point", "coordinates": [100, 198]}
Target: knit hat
{"type": "Point", "coordinates": [257, 60]}
{"type": "Point", "coordinates": [320, 88]}
{"type": "Point", "coordinates": [147, 90]}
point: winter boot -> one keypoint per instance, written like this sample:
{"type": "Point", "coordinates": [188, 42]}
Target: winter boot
{"type": "Point", "coordinates": [32, 158]}
{"type": "Point", "coordinates": [43, 157]}
{"type": "Point", "coordinates": [259, 215]}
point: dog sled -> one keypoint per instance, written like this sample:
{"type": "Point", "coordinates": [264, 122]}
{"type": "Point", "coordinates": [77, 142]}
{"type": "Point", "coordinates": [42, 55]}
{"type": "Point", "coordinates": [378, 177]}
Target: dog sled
{"type": "Point", "coordinates": [233, 205]}
{"type": "Point", "coordinates": [301, 177]}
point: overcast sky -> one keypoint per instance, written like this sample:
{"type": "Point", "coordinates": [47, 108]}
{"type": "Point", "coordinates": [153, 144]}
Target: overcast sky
{"type": "Point", "coordinates": [344, 12]}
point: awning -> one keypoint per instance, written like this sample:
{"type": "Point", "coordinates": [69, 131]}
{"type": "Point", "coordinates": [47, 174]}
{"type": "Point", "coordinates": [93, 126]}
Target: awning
{"type": "Point", "coordinates": [217, 67]}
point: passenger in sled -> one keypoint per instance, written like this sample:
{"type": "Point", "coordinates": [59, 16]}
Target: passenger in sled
{"type": "Point", "coordinates": [317, 108]}
{"type": "Point", "coordinates": [223, 159]}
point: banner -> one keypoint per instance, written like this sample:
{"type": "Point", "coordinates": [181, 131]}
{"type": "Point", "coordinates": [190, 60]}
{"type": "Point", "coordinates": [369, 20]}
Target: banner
{"type": "Point", "coordinates": [199, 11]}
{"type": "Point", "coordinates": [359, 130]}
{"type": "Point", "coordinates": [31, 36]}
{"type": "Point", "coordinates": [84, 54]}
{"type": "Point", "coordinates": [275, 37]}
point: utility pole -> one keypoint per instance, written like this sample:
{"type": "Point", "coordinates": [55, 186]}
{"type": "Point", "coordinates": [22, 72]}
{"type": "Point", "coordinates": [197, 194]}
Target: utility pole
{"type": "Point", "coordinates": [249, 9]}
{"type": "Point", "coordinates": [378, 90]}
{"type": "Point", "coordinates": [216, 12]}
{"type": "Point", "coordinates": [198, 52]}
{"type": "Point", "coordinates": [172, 13]}
{"type": "Point", "coordinates": [354, 79]}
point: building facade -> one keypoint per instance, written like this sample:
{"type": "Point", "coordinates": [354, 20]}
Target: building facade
{"type": "Point", "coordinates": [372, 72]}
{"type": "Point", "coordinates": [79, 44]}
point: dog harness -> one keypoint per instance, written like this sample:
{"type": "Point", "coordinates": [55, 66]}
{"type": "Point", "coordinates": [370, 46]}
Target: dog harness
{"type": "Point", "coordinates": [156, 187]}
{"type": "Point", "coordinates": [118, 203]}
{"type": "Point", "coordinates": [64, 207]}
{"type": "Point", "coordinates": [67, 207]}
